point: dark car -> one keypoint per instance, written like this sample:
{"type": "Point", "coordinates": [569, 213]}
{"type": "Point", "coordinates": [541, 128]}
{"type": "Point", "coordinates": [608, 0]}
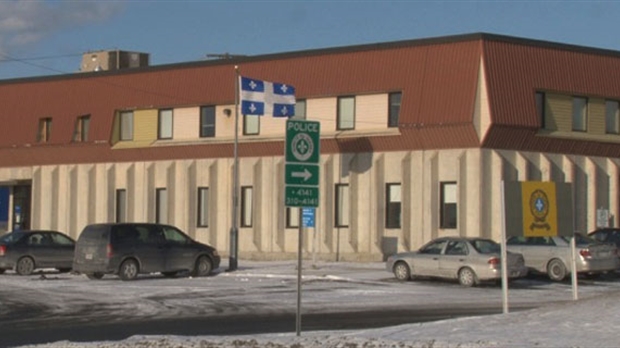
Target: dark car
{"type": "Point", "coordinates": [128, 249]}
{"type": "Point", "coordinates": [25, 251]}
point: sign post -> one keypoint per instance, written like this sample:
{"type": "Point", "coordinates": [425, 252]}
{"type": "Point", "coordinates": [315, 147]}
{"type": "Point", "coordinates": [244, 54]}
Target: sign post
{"type": "Point", "coordinates": [301, 173]}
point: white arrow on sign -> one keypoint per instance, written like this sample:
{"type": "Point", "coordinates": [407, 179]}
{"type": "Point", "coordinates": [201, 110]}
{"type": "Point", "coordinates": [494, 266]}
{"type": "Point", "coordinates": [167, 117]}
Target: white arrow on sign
{"type": "Point", "coordinates": [305, 174]}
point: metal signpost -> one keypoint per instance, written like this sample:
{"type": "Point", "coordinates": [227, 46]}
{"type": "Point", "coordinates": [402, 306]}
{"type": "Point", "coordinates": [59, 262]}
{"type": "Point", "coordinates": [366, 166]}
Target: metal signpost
{"type": "Point", "coordinates": [302, 153]}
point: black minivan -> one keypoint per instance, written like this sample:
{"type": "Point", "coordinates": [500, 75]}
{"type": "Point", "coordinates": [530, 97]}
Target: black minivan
{"type": "Point", "coordinates": [128, 249]}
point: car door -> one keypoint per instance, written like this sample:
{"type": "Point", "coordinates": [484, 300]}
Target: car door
{"type": "Point", "coordinates": [140, 241]}
{"type": "Point", "coordinates": [180, 250]}
{"type": "Point", "coordinates": [426, 261]}
{"type": "Point", "coordinates": [39, 246]}
{"type": "Point", "coordinates": [63, 249]}
{"type": "Point", "coordinates": [453, 258]}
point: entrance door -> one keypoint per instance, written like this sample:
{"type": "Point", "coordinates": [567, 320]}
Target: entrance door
{"type": "Point", "coordinates": [4, 209]}
{"type": "Point", "coordinates": [21, 207]}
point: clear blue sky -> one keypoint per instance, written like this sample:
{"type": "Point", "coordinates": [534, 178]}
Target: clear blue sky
{"type": "Point", "coordinates": [181, 31]}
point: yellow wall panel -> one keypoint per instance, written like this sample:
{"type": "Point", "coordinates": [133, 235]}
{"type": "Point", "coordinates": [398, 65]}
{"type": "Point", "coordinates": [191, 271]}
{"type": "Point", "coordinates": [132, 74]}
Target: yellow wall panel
{"type": "Point", "coordinates": [371, 111]}
{"type": "Point", "coordinates": [596, 116]}
{"type": "Point", "coordinates": [559, 112]}
{"type": "Point", "coordinates": [145, 125]}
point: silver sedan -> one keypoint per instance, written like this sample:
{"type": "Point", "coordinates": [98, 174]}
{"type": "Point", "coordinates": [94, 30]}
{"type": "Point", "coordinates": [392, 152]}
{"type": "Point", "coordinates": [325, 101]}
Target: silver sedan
{"type": "Point", "coordinates": [552, 255]}
{"type": "Point", "coordinates": [470, 260]}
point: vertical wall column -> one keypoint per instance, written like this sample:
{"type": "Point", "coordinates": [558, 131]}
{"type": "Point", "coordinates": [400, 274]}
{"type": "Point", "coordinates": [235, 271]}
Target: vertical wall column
{"type": "Point", "coordinates": [493, 194]}
{"type": "Point", "coordinates": [471, 185]}
{"type": "Point", "coordinates": [591, 182]}
{"type": "Point", "coordinates": [568, 167]}
{"type": "Point", "coordinates": [612, 171]}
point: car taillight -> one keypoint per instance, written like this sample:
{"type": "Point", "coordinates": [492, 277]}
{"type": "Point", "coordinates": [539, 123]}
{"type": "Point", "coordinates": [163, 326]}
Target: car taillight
{"type": "Point", "coordinates": [494, 262]}
{"type": "Point", "coordinates": [109, 251]}
{"type": "Point", "coordinates": [585, 253]}
{"type": "Point", "coordinates": [2, 250]}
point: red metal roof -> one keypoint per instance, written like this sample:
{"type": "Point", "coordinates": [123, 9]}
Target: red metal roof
{"type": "Point", "coordinates": [437, 77]}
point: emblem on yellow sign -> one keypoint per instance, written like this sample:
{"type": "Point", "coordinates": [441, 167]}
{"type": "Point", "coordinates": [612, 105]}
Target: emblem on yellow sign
{"type": "Point", "coordinates": [539, 207]}
{"type": "Point", "coordinates": [540, 202]}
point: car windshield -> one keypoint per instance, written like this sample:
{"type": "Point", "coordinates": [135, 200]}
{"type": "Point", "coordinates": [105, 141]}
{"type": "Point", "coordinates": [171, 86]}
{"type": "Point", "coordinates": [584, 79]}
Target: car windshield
{"type": "Point", "coordinates": [11, 238]}
{"type": "Point", "coordinates": [580, 239]}
{"type": "Point", "coordinates": [485, 246]}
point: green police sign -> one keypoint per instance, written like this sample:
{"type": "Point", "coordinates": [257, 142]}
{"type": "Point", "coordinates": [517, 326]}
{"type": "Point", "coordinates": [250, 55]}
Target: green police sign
{"type": "Point", "coordinates": [302, 155]}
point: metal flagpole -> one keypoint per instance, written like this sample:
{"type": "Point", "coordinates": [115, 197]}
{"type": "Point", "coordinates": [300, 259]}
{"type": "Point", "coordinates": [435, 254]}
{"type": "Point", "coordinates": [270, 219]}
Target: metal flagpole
{"type": "Point", "coordinates": [234, 230]}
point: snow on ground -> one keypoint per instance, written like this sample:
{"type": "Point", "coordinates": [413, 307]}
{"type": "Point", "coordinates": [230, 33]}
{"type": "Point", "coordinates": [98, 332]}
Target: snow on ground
{"type": "Point", "coordinates": [591, 321]}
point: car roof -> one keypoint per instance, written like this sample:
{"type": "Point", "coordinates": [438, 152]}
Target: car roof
{"type": "Point", "coordinates": [35, 231]}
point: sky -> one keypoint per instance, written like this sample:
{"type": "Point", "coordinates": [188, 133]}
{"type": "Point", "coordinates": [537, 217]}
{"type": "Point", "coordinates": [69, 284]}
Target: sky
{"type": "Point", "coordinates": [49, 37]}
{"type": "Point", "coordinates": [591, 321]}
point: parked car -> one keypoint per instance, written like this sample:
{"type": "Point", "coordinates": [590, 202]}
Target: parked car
{"type": "Point", "coordinates": [552, 255]}
{"type": "Point", "coordinates": [127, 249]}
{"type": "Point", "coordinates": [607, 235]}
{"type": "Point", "coordinates": [25, 251]}
{"type": "Point", "coordinates": [470, 260]}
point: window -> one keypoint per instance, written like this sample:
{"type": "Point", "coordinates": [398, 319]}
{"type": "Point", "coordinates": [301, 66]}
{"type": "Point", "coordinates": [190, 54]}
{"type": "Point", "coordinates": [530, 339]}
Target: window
{"type": "Point", "coordinates": [164, 124]}
{"type": "Point", "coordinates": [448, 205]}
{"type": "Point", "coordinates": [342, 205]}
{"type": "Point", "coordinates": [45, 130]}
{"type": "Point", "coordinates": [121, 205]}
{"type": "Point", "coordinates": [392, 206]}
{"type": "Point", "coordinates": [81, 129]}
{"type": "Point", "coordinates": [394, 111]}
{"type": "Point", "coordinates": [346, 113]}
{"type": "Point", "coordinates": [300, 109]}
{"type": "Point", "coordinates": [580, 105]}
{"type": "Point", "coordinates": [127, 125]}
{"type": "Point", "coordinates": [251, 124]}
{"type": "Point", "coordinates": [161, 206]}
{"type": "Point", "coordinates": [203, 207]}
{"type": "Point", "coordinates": [292, 217]}
{"type": "Point", "coordinates": [207, 122]}
{"type": "Point", "coordinates": [246, 206]}
{"type": "Point", "coordinates": [612, 117]}
{"type": "Point", "coordinates": [540, 108]}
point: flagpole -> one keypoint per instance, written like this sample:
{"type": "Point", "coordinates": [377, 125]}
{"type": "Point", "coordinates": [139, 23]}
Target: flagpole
{"type": "Point", "coordinates": [234, 230]}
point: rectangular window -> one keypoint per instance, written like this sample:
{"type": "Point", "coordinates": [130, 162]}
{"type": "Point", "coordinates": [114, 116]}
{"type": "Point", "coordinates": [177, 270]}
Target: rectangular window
{"type": "Point", "coordinates": [82, 124]}
{"type": "Point", "coordinates": [292, 217]}
{"type": "Point", "coordinates": [203, 207]}
{"type": "Point", "coordinates": [164, 124]}
{"type": "Point", "coordinates": [251, 124]}
{"type": "Point", "coordinates": [612, 117]}
{"type": "Point", "coordinates": [540, 108]}
{"type": "Point", "coordinates": [126, 125]}
{"type": "Point", "coordinates": [580, 112]}
{"type": "Point", "coordinates": [448, 205]}
{"type": "Point", "coordinates": [342, 205]}
{"type": "Point", "coordinates": [300, 109]}
{"type": "Point", "coordinates": [392, 206]}
{"type": "Point", "coordinates": [246, 206]}
{"type": "Point", "coordinates": [207, 122]}
{"type": "Point", "coordinates": [45, 130]}
{"type": "Point", "coordinates": [121, 205]}
{"type": "Point", "coordinates": [394, 111]}
{"type": "Point", "coordinates": [346, 113]}
{"type": "Point", "coordinates": [161, 206]}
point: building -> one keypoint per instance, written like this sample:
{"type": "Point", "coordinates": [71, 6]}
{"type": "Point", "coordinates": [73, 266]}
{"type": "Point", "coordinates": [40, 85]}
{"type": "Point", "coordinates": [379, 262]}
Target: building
{"type": "Point", "coordinates": [416, 139]}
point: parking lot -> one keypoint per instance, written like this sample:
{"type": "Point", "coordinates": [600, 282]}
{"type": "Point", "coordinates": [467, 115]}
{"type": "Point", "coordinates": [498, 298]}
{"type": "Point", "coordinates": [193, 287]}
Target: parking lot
{"type": "Point", "coordinates": [257, 287]}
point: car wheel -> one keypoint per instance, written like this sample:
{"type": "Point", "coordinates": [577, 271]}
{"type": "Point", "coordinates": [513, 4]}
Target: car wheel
{"type": "Point", "coordinates": [203, 267]}
{"type": "Point", "coordinates": [64, 270]}
{"type": "Point", "coordinates": [24, 266]}
{"type": "Point", "coordinates": [401, 271]}
{"type": "Point", "coordinates": [467, 277]}
{"type": "Point", "coordinates": [94, 276]}
{"type": "Point", "coordinates": [556, 270]}
{"type": "Point", "coordinates": [128, 270]}
{"type": "Point", "coordinates": [169, 274]}
{"type": "Point", "coordinates": [2, 270]}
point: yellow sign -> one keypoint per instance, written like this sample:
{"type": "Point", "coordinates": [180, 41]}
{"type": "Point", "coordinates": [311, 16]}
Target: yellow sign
{"type": "Point", "coordinates": [540, 215]}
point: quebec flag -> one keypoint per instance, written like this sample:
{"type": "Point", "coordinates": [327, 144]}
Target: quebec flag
{"type": "Point", "coordinates": [259, 97]}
